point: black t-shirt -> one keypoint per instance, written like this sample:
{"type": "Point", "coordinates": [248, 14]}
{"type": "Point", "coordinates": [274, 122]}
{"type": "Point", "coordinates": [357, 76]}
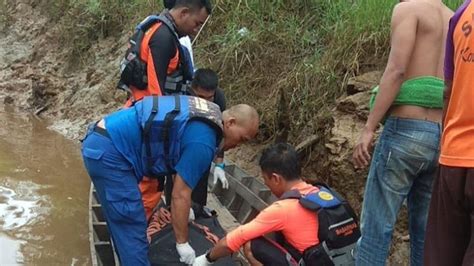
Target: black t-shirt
{"type": "Point", "coordinates": [219, 99]}
{"type": "Point", "coordinates": [163, 47]}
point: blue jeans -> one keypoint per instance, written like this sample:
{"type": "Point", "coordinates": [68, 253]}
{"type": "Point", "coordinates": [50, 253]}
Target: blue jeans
{"type": "Point", "coordinates": [117, 188]}
{"type": "Point", "coordinates": [404, 165]}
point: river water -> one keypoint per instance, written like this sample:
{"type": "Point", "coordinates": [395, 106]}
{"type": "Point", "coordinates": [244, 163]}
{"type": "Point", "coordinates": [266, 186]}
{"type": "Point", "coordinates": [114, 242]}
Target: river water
{"type": "Point", "coordinates": [43, 195]}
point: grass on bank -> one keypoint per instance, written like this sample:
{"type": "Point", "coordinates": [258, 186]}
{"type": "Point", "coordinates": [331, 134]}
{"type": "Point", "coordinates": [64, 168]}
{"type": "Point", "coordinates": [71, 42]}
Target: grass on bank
{"type": "Point", "coordinates": [5, 17]}
{"type": "Point", "coordinates": [288, 58]}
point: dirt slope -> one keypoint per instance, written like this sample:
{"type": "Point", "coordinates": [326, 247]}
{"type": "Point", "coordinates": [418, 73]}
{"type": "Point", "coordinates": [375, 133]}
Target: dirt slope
{"type": "Point", "coordinates": [34, 76]}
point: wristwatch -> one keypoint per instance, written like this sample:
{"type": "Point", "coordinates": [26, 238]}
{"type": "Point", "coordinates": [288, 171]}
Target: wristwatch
{"type": "Point", "coordinates": [208, 257]}
{"type": "Point", "coordinates": [221, 165]}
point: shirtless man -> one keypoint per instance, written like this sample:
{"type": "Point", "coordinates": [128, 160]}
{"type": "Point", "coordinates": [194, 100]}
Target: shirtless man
{"type": "Point", "coordinates": [409, 101]}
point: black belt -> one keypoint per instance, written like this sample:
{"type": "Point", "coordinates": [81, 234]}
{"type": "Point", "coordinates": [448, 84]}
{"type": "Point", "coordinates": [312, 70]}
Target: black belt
{"type": "Point", "coordinates": [101, 131]}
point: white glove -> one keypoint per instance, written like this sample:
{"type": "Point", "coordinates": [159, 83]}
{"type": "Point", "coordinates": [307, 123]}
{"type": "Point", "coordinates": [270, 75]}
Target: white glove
{"type": "Point", "coordinates": [186, 253]}
{"type": "Point", "coordinates": [202, 261]}
{"type": "Point", "coordinates": [191, 217]}
{"type": "Point", "coordinates": [219, 173]}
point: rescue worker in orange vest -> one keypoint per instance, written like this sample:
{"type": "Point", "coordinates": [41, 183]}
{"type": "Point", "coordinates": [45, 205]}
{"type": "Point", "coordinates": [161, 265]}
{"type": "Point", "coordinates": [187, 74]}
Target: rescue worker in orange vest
{"type": "Point", "coordinates": [166, 65]}
{"type": "Point", "coordinates": [160, 50]}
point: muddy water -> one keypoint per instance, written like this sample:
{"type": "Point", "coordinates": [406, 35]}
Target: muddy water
{"type": "Point", "coordinates": [43, 195]}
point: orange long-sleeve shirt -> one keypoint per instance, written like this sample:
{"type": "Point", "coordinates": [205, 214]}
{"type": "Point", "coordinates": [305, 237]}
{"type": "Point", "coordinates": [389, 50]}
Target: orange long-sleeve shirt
{"type": "Point", "coordinates": [298, 225]}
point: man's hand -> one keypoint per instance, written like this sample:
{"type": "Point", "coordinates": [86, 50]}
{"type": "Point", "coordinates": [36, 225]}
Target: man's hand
{"type": "Point", "coordinates": [219, 173]}
{"type": "Point", "coordinates": [202, 261]}
{"type": "Point", "coordinates": [186, 253]}
{"type": "Point", "coordinates": [361, 154]}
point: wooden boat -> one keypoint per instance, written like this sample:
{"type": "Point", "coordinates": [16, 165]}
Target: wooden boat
{"type": "Point", "coordinates": [244, 199]}
{"type": "Point", "coordinates": [102, 250]}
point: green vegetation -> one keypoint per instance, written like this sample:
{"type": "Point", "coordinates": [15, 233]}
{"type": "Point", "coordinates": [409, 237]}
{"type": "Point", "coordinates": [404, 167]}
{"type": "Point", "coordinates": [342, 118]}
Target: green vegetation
{"type": "Point", "coordinates": [302, 50]}
{"type": "Point", "coordinates": [5, 17]}
{"type": "Point", "coordinates": [83, 22]}
{"type": "Point", "coordinates": [299, 50]}
{"type": "Point", "coordinates": [291, 59]}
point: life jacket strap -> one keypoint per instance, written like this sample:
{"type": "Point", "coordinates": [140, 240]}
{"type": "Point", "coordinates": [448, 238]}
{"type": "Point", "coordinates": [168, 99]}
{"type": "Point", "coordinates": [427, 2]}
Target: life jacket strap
{"type": "Point", "coordinates": [146, 131]}
{"type": "Point", "coordinates": [341, 256]}
{"type": "Point", "coordinates": [170, 116]}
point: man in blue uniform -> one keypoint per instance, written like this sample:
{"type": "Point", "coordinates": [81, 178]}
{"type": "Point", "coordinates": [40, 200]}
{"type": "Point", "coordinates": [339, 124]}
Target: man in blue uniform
{"type": "Point", "coordinates": [158, 136]}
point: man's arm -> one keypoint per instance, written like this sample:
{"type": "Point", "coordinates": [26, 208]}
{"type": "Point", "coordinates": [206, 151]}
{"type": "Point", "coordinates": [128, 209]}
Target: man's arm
{"type": "Point", "coordinates": [196, 155]}
{"type": "Point", "coordinates": [181, 201]}
{"type": "Point", "coordinates": [271, 219]}
{"type": "Point", "coordinates": [447, 97]}
{"type": "Point", "coordinates": [449, 64]}
{"type": "Point", "coordinates": [403, 28]}
{"type": "Point", "coordinates": [220, 250]}
{"type": "Point", "coordinates": [194, 161]}
{"type": "Point", "coordinates": [219, 157]}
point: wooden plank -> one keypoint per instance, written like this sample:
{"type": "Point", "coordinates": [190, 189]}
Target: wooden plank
{"type": "Point", "coordinates": [256, 186]}
{"type": "Point", "coordinates": [105, 253]}
{"type": "Point", "coordinates": [226, 197]}
{"type": "Point", "coordinates": [251, 216]}
{"type": "Point", "coordinates": [100, 228]}
{"type": "Point", "coordinates": [97, 209]}
{"type": "Point", "coordinates": [244, 213]}
{"type": "Point", "coordinates": [102, 250]}
{"type": "Point", "coordinates": [247, 180]}
{"type": "Point", "coordinates": [263, 191]}
{"type": "Point", "coordinates": [95, 197]}
{"type": "Point", "coordinates": [247, 194]}
{"type": "Point", "coordinates": [237, 173]}
{"type": "Point", "coordinates": [267, 196]}
{"type": "Point", "coordinates": [229, 168]}
{"type": "Point", "coordinates": [94, 255]}
{"type": "Point", "coordinates": [226, 219]}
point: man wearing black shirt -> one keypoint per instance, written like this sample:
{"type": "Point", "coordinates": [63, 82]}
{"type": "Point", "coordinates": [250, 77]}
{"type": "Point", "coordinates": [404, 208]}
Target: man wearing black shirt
{"type": "Point", "coordinates": [205, 85]}
{"type": "Point", "coordinates": [160, 48]}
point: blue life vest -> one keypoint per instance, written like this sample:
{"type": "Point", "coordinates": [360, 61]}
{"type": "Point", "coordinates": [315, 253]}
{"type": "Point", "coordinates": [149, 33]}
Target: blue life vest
{"type": "Point", "coordinates": [338, 229]}
{"type": "Point", "coordinates": [162, 120]}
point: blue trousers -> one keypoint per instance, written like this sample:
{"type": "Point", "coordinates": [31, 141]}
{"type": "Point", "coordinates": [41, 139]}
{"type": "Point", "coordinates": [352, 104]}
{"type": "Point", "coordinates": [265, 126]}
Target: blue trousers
{"type": "Point", "coordinates": [403, 166]}
{"type": "Point", "coordinates": [117, 188]}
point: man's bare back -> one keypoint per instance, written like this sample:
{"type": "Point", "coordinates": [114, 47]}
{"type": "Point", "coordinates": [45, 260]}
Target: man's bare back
{"type": "Point", "coordinates": [428, 53]}
{"type": "Point", "coordinates": [427, 58]}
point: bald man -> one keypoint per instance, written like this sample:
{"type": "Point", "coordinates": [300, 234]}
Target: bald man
{"type": "Point", "coordinates": [158, 136]}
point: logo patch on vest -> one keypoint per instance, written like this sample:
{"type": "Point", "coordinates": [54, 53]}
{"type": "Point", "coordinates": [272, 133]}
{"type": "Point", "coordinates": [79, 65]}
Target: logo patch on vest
{"type": "Point", "coordinates": [201, 104]}
{"type": "Point", "coordinates": [325, 196]}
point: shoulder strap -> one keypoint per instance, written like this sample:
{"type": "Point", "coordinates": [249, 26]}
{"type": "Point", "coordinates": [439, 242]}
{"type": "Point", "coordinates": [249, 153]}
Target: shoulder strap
{"type": "Point", "coordinates": [146, 131]}
{"type": "Point", "coordinates": [166, 21]}
{"type": "Point", "coordinates": [170, 116]}
{"type": "Point", "coordinates": [324, 198]}
{"type": "Point", "coordinates": [332, 191]}
{"type": "Point", "coordinates": [140, 30]}
{"type": "Point", "coordinates": [143, 26]}
{"type": "Point", "coordinates": [292, 194]}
